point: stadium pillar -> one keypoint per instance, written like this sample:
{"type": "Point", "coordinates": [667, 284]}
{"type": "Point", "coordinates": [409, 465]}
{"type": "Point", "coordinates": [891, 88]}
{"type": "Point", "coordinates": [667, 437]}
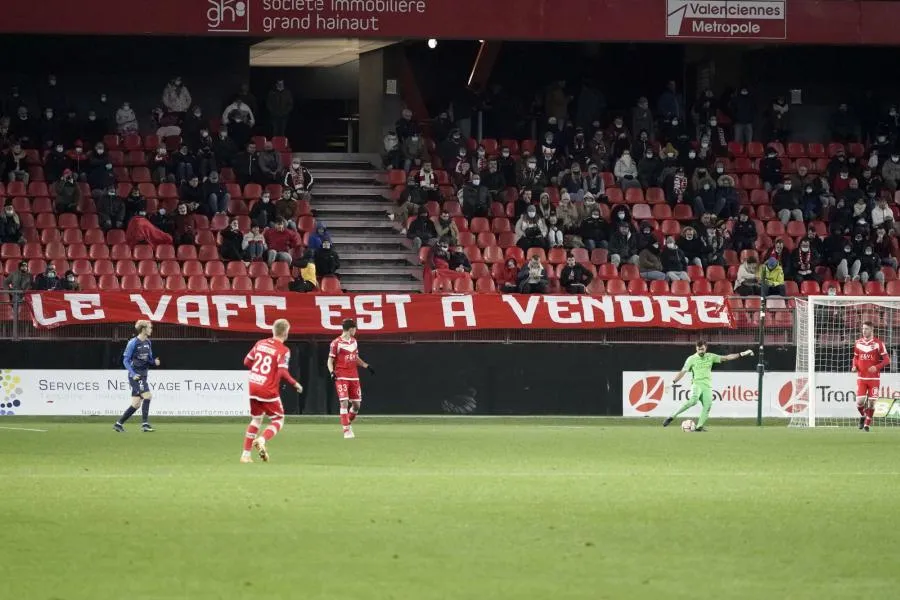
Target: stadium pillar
{"type": "Point", "coordinates": [760, 364]}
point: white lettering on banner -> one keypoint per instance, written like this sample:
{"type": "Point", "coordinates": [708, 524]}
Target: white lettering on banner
{"type": "Point", "coordinates": [760, 19]}
{"type": "Point", "coordinates": [105, 392]}
{"type": "Point", "coordinates": [223, 312]}
{"type": "Point", "coordinates": [326, 306]}
{"type": "Point", "coordinates": [153, 315]}
{"type": "Point", "coordinates": [559, 304]}
{"type": "Point", "coordinates": [369, 319]}
{"type": "Point", "coordinates": [709, 310]}
{"type": "Point", "coordinates": [201, 313]}
{"type": "Point", "coordinates": [603, 304]}
{"type": "Point", "coordinates": [260, 303]}
{"type": "Point", "coordinates": [368, 309]}
{"type": "Point", "coordinates": [458, 306]}
{"type": "Point", "coordinates": [525, 315]}
{"type": "Point", "coordinates": [627, 305]}
{"type": "Point", "coordinates": [399, 301]}
{"type": "Point", "coordinates": [37, 308]}
{"type": "Point", "coordinates": [82, 302]}
{"type": "Point", "coordinates": [675, 309]}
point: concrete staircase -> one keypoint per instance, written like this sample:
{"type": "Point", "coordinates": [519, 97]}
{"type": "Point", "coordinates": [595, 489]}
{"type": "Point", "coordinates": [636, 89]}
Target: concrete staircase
{"type": "Point", "coordinates": [349, 198]}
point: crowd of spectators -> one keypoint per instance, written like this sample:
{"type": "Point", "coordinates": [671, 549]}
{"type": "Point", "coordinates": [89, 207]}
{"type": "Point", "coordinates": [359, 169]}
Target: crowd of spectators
{"type": "Point", "coordinates": [163, 180]}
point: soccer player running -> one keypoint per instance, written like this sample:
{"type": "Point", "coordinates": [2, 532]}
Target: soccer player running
{"type": "Point", "coordinates": [700, 366]}
{"type": "Point", "coordinates": [343, 360]}
{"type": "Point", "coordinates": [870, 356]}
{"type": "Point", "coordinates": [138, 358]}
{"type": "Point", "coordinates": [268, 364]}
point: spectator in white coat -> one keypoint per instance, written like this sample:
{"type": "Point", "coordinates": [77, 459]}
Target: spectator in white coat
{"type": "Point", "coordinates": [241, 108]}
{"type": "Point", "coordinates": [176, 97]}
{"type": "Point", "coordinates": [126, 120]}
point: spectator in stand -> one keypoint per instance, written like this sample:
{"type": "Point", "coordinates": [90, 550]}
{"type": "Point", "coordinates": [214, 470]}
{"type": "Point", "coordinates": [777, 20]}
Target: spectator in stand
{"type": "Point", "coordinates": [544, 206]}
{"type": "Point", "coordinates": [424, 186]}
{"type": "Point", "coordinates": [770, 170]}
{"type": "Point", "coordinates": [804, 262]}
{"type": "Point", "coordinates": [890, 172]}
{"type": "Point", "coordinates": [69, 283]}
{"type": "Point", "coordinates": [281, 242]}
{"type": "Point", "coordinates": [415, 152]}
{"type": "Point", "coordinates": [728, 203]}
{"type": "Point", "coordinates": [48, 281]}
{"type": "Point", "coordinates": [881, 150]}
{"type": "Point", "coordinates": [747, 282]}
{"type": "Point", "coordinates": [810, 202]}
{"type": "Point", "coordinates": [163, 221]}
{"type": "Point", "coordinates": [704, 108]}
{"type": "Point", "coordinates": [594, 231]}
{"type": "Point", "coordinates": [531, 230]}
{"type": "Point", "coordinates": [287, 208]}
{"type": "Point", "coordinates": [649, 169]}
{"type": "Point", "coordinates": [232, 247]}
{"type": "Point", "coordinates": [531, 177]}
{"type": "Point", "coordinates": [24, 128]}
{"type": "Point", "coordinates": [55, 162]}
{"type": "Point", "coordinates": [786, 203]}
{"type": "Point", "coordinates": [421, 230]}
{"type": "Point", "coordinates": [507, 166]}
{"type": "Point", "coordinates": [126, 120]}
{"type": "Point", "coordinates": [10, 226]}
{"type": "Point", "coordinates": [673, 260]}
{"type": "Point", "coordinates": [224, 149]}
{"type": "Point", "coordinates": [780, 254]}
{"type": "Point", "coordinates": [705, 200]}
{"type": "Point", "coordinates": [185, 226]}
{"type": "Point", "coordinates": [327, 260]}
{"type": "Point", "coordinates": [446, 228]}
{"type": "Point", "coordinates": [870, 266]}
{"type": "Point", "coordinates": [254, 244]}
{"type": "Point", "coordinates": [240, 130]}
{"type": "Point", "coordinates": [670, 103]}
{"type": "Point", "coordinates": [19, 280]}
{"type": "Point", "coordinates": [135, 204]}
{"type": "Point", "coordinates": [715, 245]}
{"type": "Point", "coordinates": [692, 246]}
{"type": "Point", "coordinates": [645, 235]}
{"type": "Point", "coordinates": [569, 218]}
{"type": "Point", "coordinates": [317, 237]}
{"type": "Point", "coordinates": [555, 237]}
{"type": "Point", "coordinates": [620, 216]}
{"type": "Point", "coordinates": [642, 118]}
{"type": "Point", "coordinates": [392, 155]}
{"type": "Point", "coordinates": [626, 171]}
{"type": "Point", "coordinates": [779, 118]}
{"type": "Point", "coordinates": [675, 187]}
{"type": "Point", "coordinates": [48, 129]}
{"type": "Point", "coordinates": [860, 213]}
{"type": "Point", "coordinates": [176, 98]}
{"type": "Point", "coordinates": [206, 156]}
{"type": "Point", "coordinates": [142, 231]}
{"type": "Point", "coordinates": [649, 263]}
{"type": "Point", "coordinates": [717, 136]}
{"type": "Point", "coordinates": [193, 124]}
{"type": "Point", "coordinates": [306, 280]}
{"type": "Point", "coordinates": [68, 194]}
{"type": "Point", "coordinates": [111, 210]}
{"type": "Point", "coordinates": [215, 195]}
{"type": "Point", "coordinates": [405, 126]}
{"type": "Point", "coordinates": [163, 167]}
{"type": "Point", "coordinates": [623, 245]}
{"type": "Point", "coordinates": [845, 262]}
{"type": "Point", "coordinates": [579, 152]}
{"type": "Point", "coordinates": [16, 164]}
{"type": "Point", "coordinates": [280, 103]}
{"type": "Point", "coordinates": [492, 179]}
{"type": "Point", "coordinates": [744, 234]}
{"type": "Point", "coordinates": [245, 96]}
{"type": "Point", "coordinates": [600, 151]}
{"type": "Point", "coordinates": [771, 278]}
{"type": "Point", "coordinates": [843, 125]}
{"type": "Point", "coordinates": [574, 278]}
{"type": "Point", "coordinates": [459, 262]}
{"type": "Point", "coordinates": [51, 94]}
{"type": "Point", "coordinates": [450, 148]}
{"type": "Point", "coordinates": [532, 278]}
{"type": "Point", "coordinates": [191, 194]}
{"type": "Point", "coordinates": [883, 245]}
{"type": "Point", "coordinates": [298, 178]}
{"type": "Point", "coordinates": [550, 165]}
{"type": "Point", "coordinates": [246, 166]}
{"type": "Point", "coordinates": [744, 116]}
{"type": "Point", "coordinates": [165, 124]}
{"type": "Point", "coordinates": [404, 208]}
{"type": "Point", "coordinates": [184, 165]}
{"type": "Point", "coordinates": [475, 198]}
{"type": "Point", "coordinates": [264, 214]}
{"type": "Point", "coordinates": [882, 215]}
{"type": "Point", "coordinates": [270, 165]}
{"type": "Point", "coordinates": [508, 277]}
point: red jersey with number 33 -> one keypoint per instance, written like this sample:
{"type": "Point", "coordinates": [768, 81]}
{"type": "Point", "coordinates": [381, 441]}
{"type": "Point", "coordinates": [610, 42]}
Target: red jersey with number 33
{"type": "Point", "coordinates": [266, 360]}
{"type": "Point", "coordinates": [868, 353]}
{"type": "Point", "coordinates": [345, 354]}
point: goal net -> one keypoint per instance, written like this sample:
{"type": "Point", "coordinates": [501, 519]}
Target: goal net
{"type": "Point", "coordinates": [824, 388]}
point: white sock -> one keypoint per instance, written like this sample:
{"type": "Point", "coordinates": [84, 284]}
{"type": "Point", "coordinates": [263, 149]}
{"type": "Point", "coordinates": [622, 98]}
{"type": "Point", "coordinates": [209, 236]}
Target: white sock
{"type": "Point", "coordinates": [245, 454]}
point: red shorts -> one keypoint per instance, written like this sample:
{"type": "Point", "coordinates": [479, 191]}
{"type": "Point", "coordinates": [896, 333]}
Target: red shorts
{"type": "Point", "coordinates": [348, 389]}
{"type": "Point", "coordinates": [272, 408]}
{"type": "Point", "coordinates": [867, 388]}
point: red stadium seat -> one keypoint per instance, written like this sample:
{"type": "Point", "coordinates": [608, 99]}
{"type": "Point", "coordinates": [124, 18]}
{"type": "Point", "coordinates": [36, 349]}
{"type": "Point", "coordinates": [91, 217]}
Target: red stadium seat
{"type": "Point", "coordinates": [190, 268]}
{"type": "Point", "coordinates": [493, 254]}
{"type": "Point", "coordinates": [143, 252]}
{"type": "Point", "coordinates": [238, 284]}
{"type": "Point", "coordinates": [55, 250]}
{"type": "Point", "coordinates": [683, 212]}
{"type": "Point", "coordinates": [330, 285]}
{"type": "Point", "coordinates": [186, 252]}
{"type": "Point", "coordinates": [280, 269]}
{"type": "Point", "coordinates": [120, 252]}
{"type": "Point", "coordinates": [196, 283]}
{"type": "Point", "coordinates": [215, 268]}
{"type": "Point", "coordinates": [83, 267]}
{"type": "Point", "coordinates": [235, 268]}
{"type": "Point", "coordinates": [76, 251]}
{"type": "Point", "coordinates": [154, 283]}
{"type": "Point", "coordinates": [125, 268]}
{"type": "Point", "coordinates": [147, 268]}
{"type": "Point", "coordinates": [45, 221]}
{"type": "Point", "coordinates": [500, 225]}
{"type": "Point", "coordinates": [164, 252]}
{"type": "Point", "coordinates": [130, 283]}
{"type": "Point", "coordinates": [463, 285]}
{"type": "Point", "coordinates": [637, 287]}
{"type": "Point", "coordinates": [109, 283]}
{"type": "Point", "coordinates": [176, 283]}
{"type": "Point", "coordinates": [51, 236]}
{"type": "Point", "coordinates": [485, 285]}
{"type": "Point", "coordinates": [208, 252]}
{"type": "Point", "coordinates": [258, 269]}
{"type": "Point", "coordinates": [607, 271]}
{"type": "Point", "coordinates": [515, 253]}
{"type": "Point", "coordinates": [810, 288]}
{"type": "Point", "coordinates": [539, 252]}
{"type": "Point", "coordinates": [103, 267]}
{"type": "Point", "coordinates": [659, 287]}
{"type": "Point", "coordinates": [263, 284]}
{"type": "Point", "coordinates": [874, 288]}
{"type": "Point", "coordinates": [629, 272]}
{"type": "Point", "coordinates": [701, 287]}
{"type": "Point", "coordinates": [169, 267]}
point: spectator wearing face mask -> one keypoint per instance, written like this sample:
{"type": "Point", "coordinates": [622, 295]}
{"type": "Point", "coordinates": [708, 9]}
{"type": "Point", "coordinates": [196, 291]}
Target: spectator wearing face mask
{"type": "Point", "coordinates": [421, 230]}
{"type": "Point", "coordinates": [701, 179]}
{"type": "Point", "coordinates": [270, 165]}
{"type": "Point", "coordinates": [492, 179]}
{"type": "Point", "coordinates": [206, 157]}
{"type": "Point", "coordinates": [531, 177]}
{"type": "Point", "coordinates": [507, 166]}
{"type": "Point", "coordinates": [574, 278]}
{"type": "Point", "coordinates": [48, 128]}
{"type": "Point", "coordinates": [254, 244]}
{"type": "Point", "coordinates": [692, 246]}
{"type": "Point", "coordinates": [224, 149]}
{"type": "Point", "coordinates": [744, 234]}
{"type": "Point", "coordinates": [786, 203]}
{"type": "Point", "coordinates": [327, 260]}
{"type": "Point", "coordinates": [649, 263]}
{"type": "Point", "coordinates": [578, 151]}
{"type": "Point", "coordinates": [594, 231]}
{"type": "Point", "coordinates": [550, 165]}
{"type": "Point", "coordinates": [135, 203]}
{"type": "Point", "coordinates": [531, 230]}
{"type": "Point", "coordinates": [55, 163]}
{"type": "Point", "coordinates": [870, 265]}
{"type": "Point", "coordinates": [779, 119]}
{"type": "Point", "coordinates": [298, 178]}
{"type": "Point", "coordinates": [19, 280]}
{"type": "Point", "coordinates": [185, 223]}
{"type": "Point", "coordinates": [626, 171]}
{"type": "Point", "coordinates": [804, 262]}
{"type": "Point", "coordinates": [126, 120]}
{"type": "Point", "coordinates": [101, 179]}
{"type": "Point", "coordinates": [532, 278]}
{"type": "Point", "coordinates": [164, 221]}
{"type": "Point", "coordinates": [449, 149]}
{"type": "Point", "coordinates": [747, 281]}
{"type": "Point", "coordinates": [593, 183]}
{"type": "Point", "coordinates": [193, 123]}
{"type": "Point", "coordinates": [771, 278]}
{"type": "Point", "coordinates": [475, 198]}
{"type": "Point", "coordinates": [214, 195]}
{"type": "Point", "coordinates": [642, 145]}
{"type": "Point", "coordinates": [447, 229]}
{"type": "Point", "coordinates": [264, 213]}
{"type": "Point", "coordinates": [184, 164]}
{"type": "Point", "coordinates": [645, 235]}
{"type": "Point", "coordinates": [23, 128]}
{"type": "Point", "coordinates": [770, 170]}
{"type": "Point", "coordinates": [715, 246]}
{"type": "Point", "coordinates": [705, 200]}
{"type": "Point", "coordinates": [48, 281]}
{"type": "Point", "coordinates": [649, 169]}
{"type": "Point", "coordinates": [673, 260]}
{"type": "Point", "coordinates": [281, 242]}
{"type": "Point", "coordinates": [232, 244]}
{"type": "Point", "coordinates": [162, 166]}
{"type": "Point", "coordinates": [507, 277]}
{"type": "Point", "coordinates": [728, 203]}
{"type": "Point", "coordinates": [318, 237]}
{"type": "Point", "coordinates": [15, 164]}
{"type": "Point", "coordinates": [623, 245]}
{"type": "Point", "coordinates": [744, 108]}
{"type": "Point", "coordinates": [415, 152]}
{"type": "Point", "coordinates": [191, 194]}
{"type": "Point", "coordinates": [176, 97]}
{"type": "Point", "coordinates": [69, 283]}
{"type": "Point", "coordinates": [287, 208]}
{"type": "Point", "coordinates": [883, 246]}
{"type": "Point", "coordinates": [239, 112]}
{"type": "Point", "coordinates": [67, 192]}
{"type": "Point", "coordinates": [10, 226]}
{"type": "Point", "coordinates": [890, 172]}
{"type": "Point", "coordinates": [843, 260]}
{"type": "Point", "coordinates": [111, 210]}
{"type": "Point", "coordinates": [459, 262]}
{"type": "Point", "coordinates": [718, 139]}
{"type": "Point", "coordinates": [280, 103]}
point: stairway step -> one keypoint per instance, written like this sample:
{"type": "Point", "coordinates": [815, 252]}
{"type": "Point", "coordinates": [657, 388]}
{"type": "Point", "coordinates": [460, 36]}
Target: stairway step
{"type": "Point", "coordinates": [399, 272]}
{"type": "Point", "coordinates": [351, 256]}
{"type": "Point", "coordinates": [355, 223]}
{"type": "Point", "coordinates": [382, 286]}
{"type": "Point", "coordinates": [341, 160]}
{"type": "Point", "coordinates": [342, 190]}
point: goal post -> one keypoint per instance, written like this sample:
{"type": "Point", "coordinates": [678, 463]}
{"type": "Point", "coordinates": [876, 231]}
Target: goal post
{"type": "Point", "coordinates": [824, 388]}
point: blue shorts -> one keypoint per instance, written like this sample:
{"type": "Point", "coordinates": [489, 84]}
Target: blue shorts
{"type": "Point", "coordinates": [139, 387]}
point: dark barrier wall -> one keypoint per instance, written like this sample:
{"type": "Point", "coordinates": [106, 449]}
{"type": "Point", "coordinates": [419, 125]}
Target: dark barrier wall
{"type": "Point", "coordinates": [424, 378]}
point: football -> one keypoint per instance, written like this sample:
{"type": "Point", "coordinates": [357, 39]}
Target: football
{"type": "Point", "coordinates": [688, 425]}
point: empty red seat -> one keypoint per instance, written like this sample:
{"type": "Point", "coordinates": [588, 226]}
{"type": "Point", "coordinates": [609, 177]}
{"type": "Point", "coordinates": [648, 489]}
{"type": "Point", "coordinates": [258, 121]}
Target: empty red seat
{"type": "Point", "coordinates": [208, 252]}
{"type": "Point", "coordinates": [50, 236]}
{"type": "Point", "coordinates": [607, 271]}
{"type": "Point", "coordinates": [330, 285]}
{"type": "Point", "coordinates": [130, 283]}
{"type": "Point", "coordinates": [76, 251]}
{"type": "Point", "coordinates": [493, 254]}
{"type": "Point", "coordinates": [810, 288]}
{"type": "Point", "coordinates": [45, 221]}
{"type": "Point", "coordinates": [126, 267]}
{"type": "Point", "coordinates": [238, 284]}
{"type": "Point", "coordinates": [103, 267]}
{"type": "Point", "coordinates": [176, 283]}
{"type": "Point", "coordinates": [637, 287]}
{"type": "Point", "coordinates": [263, 284]}
{"type": "Point", "coordinates": [154, 283]}
{"type": "Point", "coordinates": [501, 225]}
{"type": "Point", "coordinates": [215, 268]}
{"type": "Point", "coordinates": [195, 283]}
{"type": "Point", "coordinates": [55, 250]}
{"type": "Point", "coordinates": [190, 268]}
{"type": "Point", "coordinates": [701, 287]}
{"type": "Point", "coordinates": [165, 252]}
{"type": "Point", "coordinates": [109, 283]}
{"type": "Point", "coordinates": [659, 287]}
{"type": "Point", "coordinates": [235, 268]}
{"type": "Point", "coordinates": [147, 268]}
{"type": "Point", "coordinates": [485, 285]}
{"type": "Point", "coordinates": [874, 288]}
{"type": "Point", "coordinates": [683, 212]}
{"type": "Point", "coordinates": [142, 252]}
{"type": "Point", "coordinates": [186, 252]}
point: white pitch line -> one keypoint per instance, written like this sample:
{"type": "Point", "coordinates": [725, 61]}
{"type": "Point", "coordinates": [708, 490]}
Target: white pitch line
{"type": "Point", "coordinates": [24, 429]}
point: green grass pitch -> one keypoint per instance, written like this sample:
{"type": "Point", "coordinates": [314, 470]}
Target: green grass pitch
{"type": "Point", "coordinates": [447, 509]}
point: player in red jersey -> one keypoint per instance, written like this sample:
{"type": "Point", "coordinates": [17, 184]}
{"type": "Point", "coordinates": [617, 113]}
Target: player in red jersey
{"type": "Point", "coordinates": [343, 363]}
{"type": "Point", "coordinates": [870, 356]}
{"type": "Point", "coordinates": [268, 364]}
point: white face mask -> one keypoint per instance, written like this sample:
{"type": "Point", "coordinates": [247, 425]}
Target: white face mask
{"type": "Point", "coordinates": [296, 166]}
{"type": "Point", "coordinates": [692, 155]}
{"type": "Point", "coordinates": [787, 187]}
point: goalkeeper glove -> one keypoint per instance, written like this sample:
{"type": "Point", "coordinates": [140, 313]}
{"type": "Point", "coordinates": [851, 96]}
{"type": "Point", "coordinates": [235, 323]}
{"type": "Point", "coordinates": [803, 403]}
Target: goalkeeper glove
{"type": "Point", "coordinates": [333, 376]}
{"type": "Point", "coordinates": [370, 369]}
{"type": "Point", "coordinates": [136, 377]}
{"type": "Point", "coordinates": [747, 353]}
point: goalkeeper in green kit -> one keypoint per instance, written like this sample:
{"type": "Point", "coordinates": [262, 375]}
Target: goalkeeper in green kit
{"type": "Point", "coordinates": [700, 366]}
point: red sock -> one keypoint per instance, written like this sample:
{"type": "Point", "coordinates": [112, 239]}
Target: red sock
{"type": "Point", "coordinates": [352, 414]}
{"type": "Point", "coordinates": [345, 418]}
{"type": "Point", "coordinates": [273, 428]}
{"type": "Point", "coordinates": [870, 413]}
{"type": "Point", "coordinates": [252, 430]}
{"type": "Point", "coordinates": [862, 409]}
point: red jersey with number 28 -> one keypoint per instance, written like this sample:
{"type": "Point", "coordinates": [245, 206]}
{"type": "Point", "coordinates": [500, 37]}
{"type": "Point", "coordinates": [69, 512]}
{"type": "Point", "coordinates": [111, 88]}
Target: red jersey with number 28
{"type": "Point", "coordinates": [869, 353]}
{"type": "Point", "coordinates": [345, 354]}
{"type": "Point", "coordinates": [268, 364]}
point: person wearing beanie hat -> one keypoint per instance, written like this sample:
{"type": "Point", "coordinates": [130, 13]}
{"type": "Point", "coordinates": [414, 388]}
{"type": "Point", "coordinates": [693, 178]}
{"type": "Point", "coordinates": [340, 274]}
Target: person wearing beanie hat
{"type": "Point", "coordinates": [771, 278]}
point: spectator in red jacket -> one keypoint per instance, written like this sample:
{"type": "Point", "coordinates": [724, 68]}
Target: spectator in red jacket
{"type": "Point", "coordinates": [508, 276]}
{"type": "Point", "coordinates": [141, 231]}
{"type": "Point", "coordinates": [281, 241]}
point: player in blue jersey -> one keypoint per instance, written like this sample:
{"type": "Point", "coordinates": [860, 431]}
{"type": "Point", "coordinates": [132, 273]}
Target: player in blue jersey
{"type": "Point", "coordinates": [138, 358]}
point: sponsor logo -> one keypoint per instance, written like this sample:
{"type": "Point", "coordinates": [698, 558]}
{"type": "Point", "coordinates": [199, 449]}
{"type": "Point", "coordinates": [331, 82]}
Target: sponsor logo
{"type": "Point", "coordinates": [228, 16]}
{"type": "Point", "coordinates": [646, 394]}
{"type": "Point", "coordinates": [793, 397]}
{"type": "Point", "coordinates": [10, 392]}
{"type": "Point", "coordinates": [726, 19]}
